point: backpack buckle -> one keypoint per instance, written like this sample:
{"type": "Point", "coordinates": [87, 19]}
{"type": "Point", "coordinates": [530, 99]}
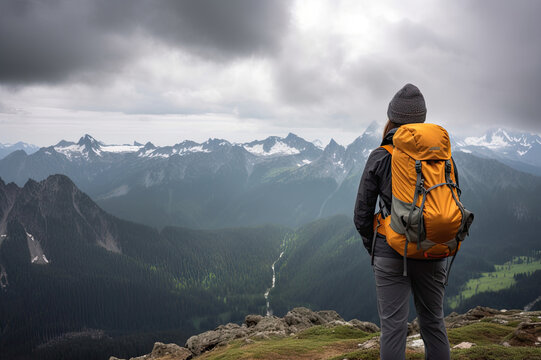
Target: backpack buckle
{"type": "Point", "coordinates": [418, 166]}
{"type": "Point", "coordinates": [448, 166]}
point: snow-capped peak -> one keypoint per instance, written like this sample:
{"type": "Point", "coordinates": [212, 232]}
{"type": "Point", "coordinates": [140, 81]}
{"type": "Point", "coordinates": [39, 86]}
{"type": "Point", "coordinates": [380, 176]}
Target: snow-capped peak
{"type": "Point", "coordinates": [506, 144]}
{"type": "Point", "coordinates": [279, 146]}
{"type": "Point", "coordinates": [501, 138]}
{"type": "Point", "coordinates": [88, 140]}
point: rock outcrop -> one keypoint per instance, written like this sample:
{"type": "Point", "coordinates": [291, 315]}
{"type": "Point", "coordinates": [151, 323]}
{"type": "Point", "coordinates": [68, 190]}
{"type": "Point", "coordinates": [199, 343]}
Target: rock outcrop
{"type": "Point", "coordinates": [257, 327]}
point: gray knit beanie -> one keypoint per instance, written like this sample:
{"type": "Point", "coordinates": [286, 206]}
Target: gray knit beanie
{"type": "Point", "coordinates": [407, 106]}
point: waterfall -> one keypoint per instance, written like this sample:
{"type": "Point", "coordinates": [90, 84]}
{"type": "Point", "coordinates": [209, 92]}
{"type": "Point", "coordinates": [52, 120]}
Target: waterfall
{"type": "Point", "coordinates": [528, 307]}
{"type": "Point", "coordinates": [269, 310]}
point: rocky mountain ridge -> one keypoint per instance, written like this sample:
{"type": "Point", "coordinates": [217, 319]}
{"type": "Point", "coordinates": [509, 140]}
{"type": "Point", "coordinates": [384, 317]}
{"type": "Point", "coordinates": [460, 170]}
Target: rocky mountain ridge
{"type": "Point", "coordinates": [524, 330]}
{"type": "Point", "coordinates": [53, 198]}
{"type": "Point", "coordinates": [217, 183]}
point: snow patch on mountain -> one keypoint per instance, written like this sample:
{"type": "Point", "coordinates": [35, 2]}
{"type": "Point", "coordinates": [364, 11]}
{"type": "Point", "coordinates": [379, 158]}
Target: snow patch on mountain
{"type": "Point", "coordinates": [154, 154]}
{"type": "Point", "coordinates": [120, 148]}
{"type": "Point", "coordinates": [71, 150]}
{"type": "Point", "coordinates": [168, 151]}
{"type": "Point", "coordinates": [304, 162]}
{"type": "Point", "coordinates": [500, 138]}
{"type": "Point", "coordinates": [119, 191]}
{"type": "Point", "coordinates": [37, 256]}
{"type": "Point", "coordinates": [496, 142]}
{"type": "Point", "coordinates": [193, 149]}
{"type": "Point", "coordinates": [279, 148]}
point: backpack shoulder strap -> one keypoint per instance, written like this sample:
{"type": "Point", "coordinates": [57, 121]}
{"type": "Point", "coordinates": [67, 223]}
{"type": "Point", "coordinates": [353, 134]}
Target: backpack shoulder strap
{"type": "Point", "coordinates": [388, 147]}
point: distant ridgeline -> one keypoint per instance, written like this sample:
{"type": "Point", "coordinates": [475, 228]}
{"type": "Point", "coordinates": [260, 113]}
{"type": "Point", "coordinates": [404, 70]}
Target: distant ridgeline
{"type": "Point", "coordinates": [215, 184]}
{"type": "Point", "coordinates": [72, 276]}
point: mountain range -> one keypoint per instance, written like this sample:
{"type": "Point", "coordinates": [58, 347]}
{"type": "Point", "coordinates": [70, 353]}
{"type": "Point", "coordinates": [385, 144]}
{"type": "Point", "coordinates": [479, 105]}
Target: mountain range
{"type": "Point", "coordinates": [521, 151]}
{"type": "Point", "coordinates": [220, 184]}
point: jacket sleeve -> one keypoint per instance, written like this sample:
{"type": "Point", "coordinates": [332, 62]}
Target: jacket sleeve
{"type": "Point", "coordinates": [367, 195]}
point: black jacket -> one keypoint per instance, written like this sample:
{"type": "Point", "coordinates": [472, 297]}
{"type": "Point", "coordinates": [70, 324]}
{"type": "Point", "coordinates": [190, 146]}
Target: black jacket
{"type": "Point", "coordinates": [376, 181]}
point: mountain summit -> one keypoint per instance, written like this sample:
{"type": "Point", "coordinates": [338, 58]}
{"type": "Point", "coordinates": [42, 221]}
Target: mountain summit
{"type": "Point", "coordinates": [54, 200]}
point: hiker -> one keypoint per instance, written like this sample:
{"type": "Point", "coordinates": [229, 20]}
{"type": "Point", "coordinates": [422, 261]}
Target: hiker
{"type": "Point", "coordinates": [396, 276]}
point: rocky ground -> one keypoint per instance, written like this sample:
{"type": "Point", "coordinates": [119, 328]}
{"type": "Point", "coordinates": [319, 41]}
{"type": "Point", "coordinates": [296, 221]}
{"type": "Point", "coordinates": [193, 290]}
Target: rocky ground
{"type": "Point", "coordinates": [481, 333]}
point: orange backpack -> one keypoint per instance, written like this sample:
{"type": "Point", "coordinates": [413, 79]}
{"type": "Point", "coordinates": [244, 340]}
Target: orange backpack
{"type": "Point", "coordinates": [427, 219]}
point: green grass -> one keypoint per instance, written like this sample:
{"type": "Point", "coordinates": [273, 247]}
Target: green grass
{"type": "Point", "coordinates": [341, 343]}
{"type": "Point", "coordinates": [306, 345]}
{"type": "Point", "coordinates": [497, 352]}
{"type": "Point", "coordinates": [480, 333]}
{"type": "Point", "coordinates": [501, 278]}
{"type": "Point", "coordinates": [373, 355]}
{"type": "Point", "coordinates": [487, 352]}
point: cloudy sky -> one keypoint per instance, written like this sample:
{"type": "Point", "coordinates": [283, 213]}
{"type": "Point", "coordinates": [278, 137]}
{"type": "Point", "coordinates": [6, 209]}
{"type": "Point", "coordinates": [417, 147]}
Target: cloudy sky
{"type": "Point", "coordinates": [168, 70]}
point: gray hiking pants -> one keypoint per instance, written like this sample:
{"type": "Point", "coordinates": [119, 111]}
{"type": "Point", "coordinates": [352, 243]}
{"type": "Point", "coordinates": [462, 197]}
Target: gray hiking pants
{"type": "Point", "coordinates": [426, 281]}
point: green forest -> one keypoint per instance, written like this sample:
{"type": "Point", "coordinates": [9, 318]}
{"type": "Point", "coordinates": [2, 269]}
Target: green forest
{"type": "Point", "coordinates": [165, 286]}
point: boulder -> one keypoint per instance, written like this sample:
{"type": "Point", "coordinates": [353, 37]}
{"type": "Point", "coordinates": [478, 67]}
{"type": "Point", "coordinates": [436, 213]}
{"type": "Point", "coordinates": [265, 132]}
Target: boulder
{"type": "Point", "coordinates": [169, 351]}
{"type": "Point", "coordinates": [370, 344]}
{"type": "Point", "coordinates": [329, 316]}
{"type": "Point", "coordinates": [221, 335]}
{"type": "Point", "coordinates": [526, 334]}
{"type": "Point", "coordinates": [302, 318]}
{"type": "Point", "coordinates": [271, 324]}
{"type": "Point", "coordinates": [364, 326]}
{"type": "Point", "coordinates": [415, 343]}
{"type": "Point", "coordinates": [252, 320]}
{"type": "Point", "coordinates": [464, 345]}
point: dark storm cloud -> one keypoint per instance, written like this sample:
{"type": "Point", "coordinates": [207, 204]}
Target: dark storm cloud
{"type": "Point", "coordinates": [49, 41]}
{"type": "Point", "coordinates": [475, 61]}
{"type": "Point", "coordinates": [221, 28]}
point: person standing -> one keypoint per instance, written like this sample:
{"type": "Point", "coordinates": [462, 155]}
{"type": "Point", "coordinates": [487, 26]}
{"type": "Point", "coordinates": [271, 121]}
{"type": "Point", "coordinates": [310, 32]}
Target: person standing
{"type": "Point", "coordinates": [425, 279]}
